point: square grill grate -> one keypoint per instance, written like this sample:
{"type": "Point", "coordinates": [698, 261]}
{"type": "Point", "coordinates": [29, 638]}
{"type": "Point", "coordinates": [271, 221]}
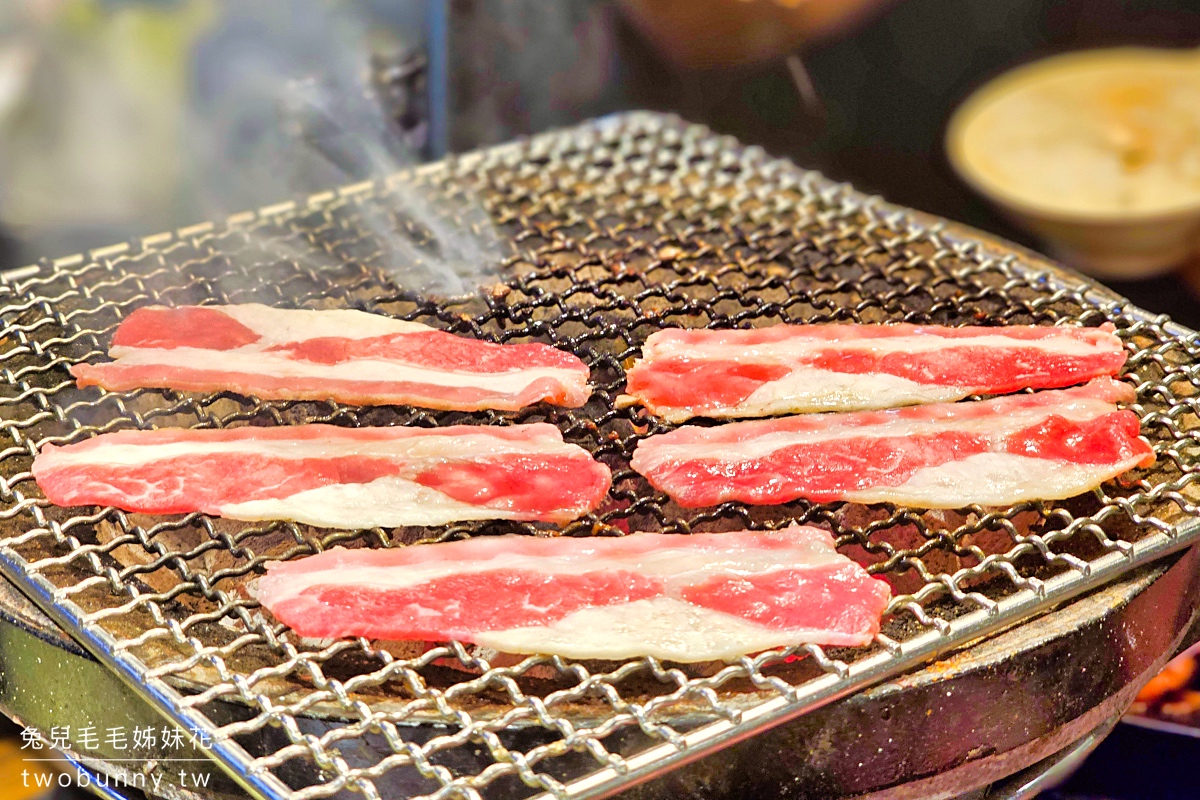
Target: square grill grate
{"type": "Point", "coordinates": [616, 228]}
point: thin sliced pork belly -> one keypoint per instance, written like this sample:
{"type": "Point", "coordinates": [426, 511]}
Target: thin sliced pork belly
{"type": "Point", "coordinates": [331, 477]}
{"type": "Point", "coordinates": [1049, 445]}
{"type": "Point", "coordinates": [683, 598]}
{"type": "Point", "coordinates": [787, 369]}
{"type": "Point", "coordinates": [344, 355]}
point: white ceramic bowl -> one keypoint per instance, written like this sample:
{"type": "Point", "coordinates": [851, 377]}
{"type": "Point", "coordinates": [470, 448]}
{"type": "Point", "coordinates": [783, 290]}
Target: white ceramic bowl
{"type": "Point", "coordinates": [1097, 152]}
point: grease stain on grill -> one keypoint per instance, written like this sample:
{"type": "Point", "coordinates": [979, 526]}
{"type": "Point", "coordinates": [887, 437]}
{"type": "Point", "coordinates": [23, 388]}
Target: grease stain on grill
{"type": "Point", "coordinates": [615, 231]}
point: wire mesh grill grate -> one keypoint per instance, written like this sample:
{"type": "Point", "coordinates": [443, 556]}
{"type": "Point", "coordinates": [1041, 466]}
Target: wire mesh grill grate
{"type": "Point", "coordinates": [617, 229]}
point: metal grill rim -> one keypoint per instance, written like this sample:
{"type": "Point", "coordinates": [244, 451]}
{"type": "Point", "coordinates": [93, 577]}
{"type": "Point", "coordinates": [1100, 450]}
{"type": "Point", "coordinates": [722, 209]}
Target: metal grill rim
{"type": "Point", "coordinates": [723, 217]}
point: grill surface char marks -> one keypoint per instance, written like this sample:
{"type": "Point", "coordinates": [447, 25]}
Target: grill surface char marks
{"type": "Point", "coordinates": [617, 229]}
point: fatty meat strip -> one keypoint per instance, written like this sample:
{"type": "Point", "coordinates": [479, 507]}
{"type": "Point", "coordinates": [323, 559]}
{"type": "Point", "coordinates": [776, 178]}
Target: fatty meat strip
{"type": "Point", "coordinates": [683, 598]}
{"type": "Point", "coordinates": [331, 477]}
{"type": "Point", "coordinates": [786, 369]}
{"type": "Point", "coordinates": [1048, 445]}
{"type": "Point", "coordinates": [344, 355]}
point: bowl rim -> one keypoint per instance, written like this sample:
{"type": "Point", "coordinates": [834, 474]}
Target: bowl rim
{"type": "Point", "coordinates": [1002, 84]}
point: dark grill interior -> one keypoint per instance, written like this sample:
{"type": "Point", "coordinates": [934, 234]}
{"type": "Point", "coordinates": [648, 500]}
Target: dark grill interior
{"type": "Point", "coordinates": [614, 230]}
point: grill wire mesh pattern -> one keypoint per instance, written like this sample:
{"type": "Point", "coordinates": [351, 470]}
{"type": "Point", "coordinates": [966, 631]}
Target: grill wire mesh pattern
{"type": "Point", "coordinates": [617, 228]}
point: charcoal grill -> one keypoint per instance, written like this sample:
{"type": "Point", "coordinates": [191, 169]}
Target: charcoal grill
{"type": "Point", "coordinates": [616, 229]}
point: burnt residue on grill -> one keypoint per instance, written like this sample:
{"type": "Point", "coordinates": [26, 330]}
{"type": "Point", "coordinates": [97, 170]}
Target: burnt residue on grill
{"type": "Point", "coordinates": [614, 230]}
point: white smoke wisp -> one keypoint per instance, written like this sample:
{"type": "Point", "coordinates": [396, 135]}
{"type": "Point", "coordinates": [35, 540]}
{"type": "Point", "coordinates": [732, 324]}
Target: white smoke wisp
{"type": "Point", "coordinates": [279, 110]}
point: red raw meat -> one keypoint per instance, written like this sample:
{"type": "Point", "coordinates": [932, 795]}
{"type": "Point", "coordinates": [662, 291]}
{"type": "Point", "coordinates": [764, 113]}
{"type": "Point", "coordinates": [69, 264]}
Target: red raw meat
{"type": "Point", "coordinates": [332, 477]}
{"type": "Point", "coordinates": [684, 598]}
{"type": "Point", "coordinates": [839, 367]}
{"type": "Point", "coordinates": [344, 355]}
{"type": "Point", "coordinates": [1048, 445]}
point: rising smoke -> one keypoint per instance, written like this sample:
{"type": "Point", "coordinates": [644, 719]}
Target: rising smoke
{"type": "Point", "coordinates": [280, 108]}
{"type": "Point", "coordinates": [133, 117]}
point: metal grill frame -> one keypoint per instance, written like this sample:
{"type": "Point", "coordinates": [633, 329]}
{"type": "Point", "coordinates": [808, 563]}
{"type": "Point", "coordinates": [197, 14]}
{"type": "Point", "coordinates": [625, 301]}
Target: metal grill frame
{"type": "Point", "coordinates": [707, 176]}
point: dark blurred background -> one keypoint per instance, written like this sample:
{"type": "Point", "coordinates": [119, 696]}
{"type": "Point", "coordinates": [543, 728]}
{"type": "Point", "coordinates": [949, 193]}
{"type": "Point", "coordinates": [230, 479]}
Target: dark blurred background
{"type": "Point", "coordinates": [126, 117]}
{"type": "Point", "coordinates": [122, 118]}
{"type": "Point", "coordinates": [888, 84]}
